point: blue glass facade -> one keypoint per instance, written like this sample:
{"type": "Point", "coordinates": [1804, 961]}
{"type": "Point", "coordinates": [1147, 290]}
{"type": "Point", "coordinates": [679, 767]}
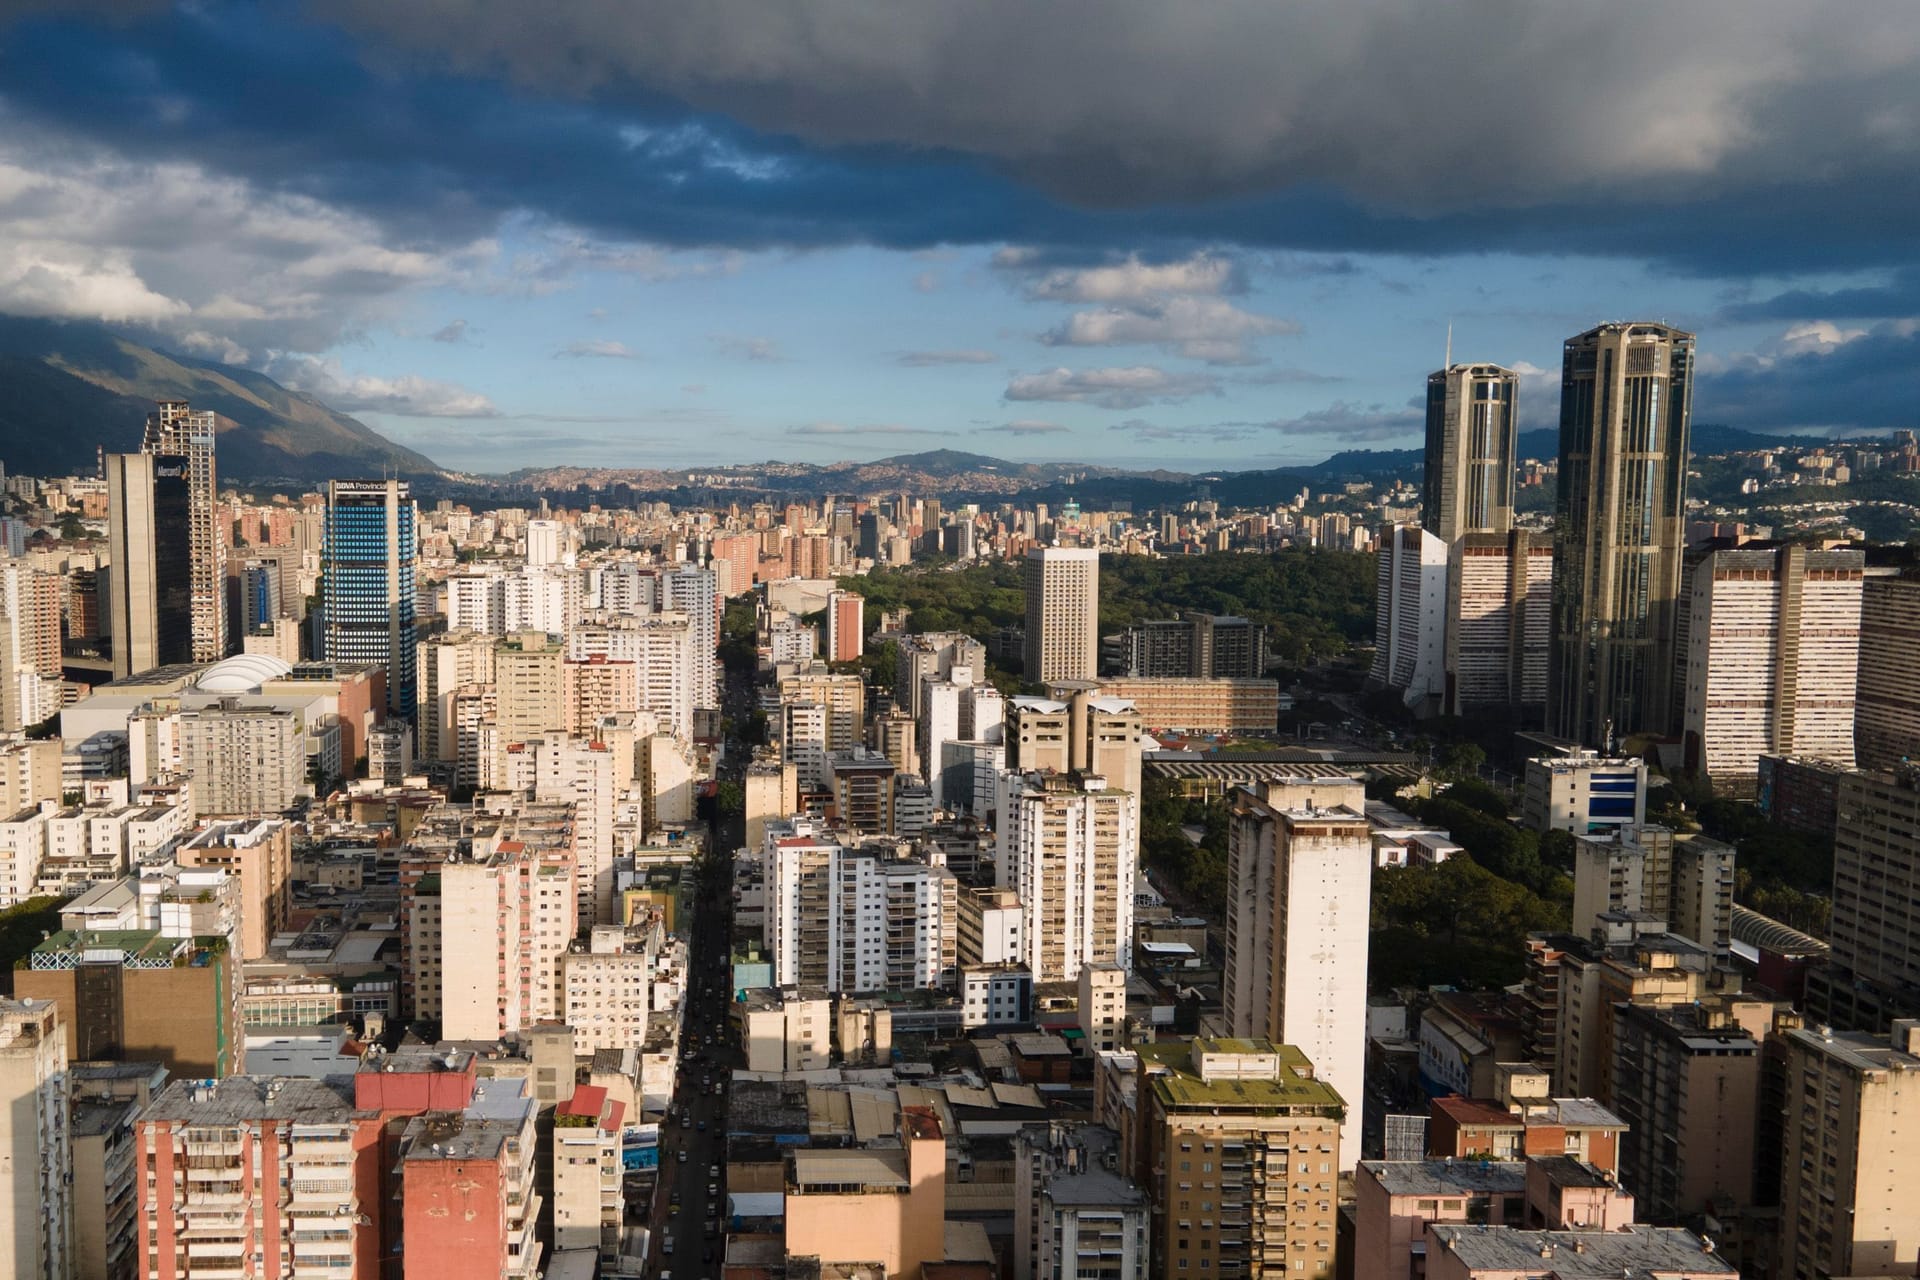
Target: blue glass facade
{"type": "Point", "coordinates": [368, 581]}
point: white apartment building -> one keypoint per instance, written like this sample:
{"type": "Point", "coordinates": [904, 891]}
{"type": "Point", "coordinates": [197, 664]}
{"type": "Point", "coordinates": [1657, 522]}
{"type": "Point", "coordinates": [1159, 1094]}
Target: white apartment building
{"type": "Point", "coordinates": [477, 603]}
{"type": "Point", "coordinates": [36, 1214]}
{"type": "Point", "coordinates": [444, 663]}
{"type": "Point", "coordinates": [803, 743]}
{"type": "Point", "coordinates": [545, 598]}
{"type": "Point", "coordinates": [245, 761]}
{"type": "Point", "coordinates": [692, 591]}
{"type": "Point", "coordinates": [939, 725]}
{"type": "Point", "coordinates": [852, 920]}
{"type": "Point", "coordinates": [489, 932]}
{"type": "Point", "coordinates": [1076, 1213]}
{"type": "Point", "coordinates": [581, 772]}
{"type": "Point", "coordinates": [1299, 891]}
{"type": "Point", "coordinates": [1069, 846]}
{"type": "Point", "coordinates": [1772, 659]}
{"type": "Point", "coordinates": [661, 648]}
{"type": "Point", "coordinates": [609, 988]}
{"type": "Point", "coordinates": [1410, 635]}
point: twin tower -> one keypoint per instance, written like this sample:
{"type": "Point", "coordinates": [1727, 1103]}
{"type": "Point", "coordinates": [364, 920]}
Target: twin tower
{"type": "Point", "coordinates": [1576, 633]}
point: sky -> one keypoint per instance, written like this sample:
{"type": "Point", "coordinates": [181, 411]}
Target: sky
{"type": "Point", "coordinates": [1126, 232]}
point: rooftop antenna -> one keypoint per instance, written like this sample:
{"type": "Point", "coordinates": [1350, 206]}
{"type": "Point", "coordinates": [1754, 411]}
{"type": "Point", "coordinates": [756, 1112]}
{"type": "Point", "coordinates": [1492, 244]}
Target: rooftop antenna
{"type": "Point", "coordinates": [1449, 362]}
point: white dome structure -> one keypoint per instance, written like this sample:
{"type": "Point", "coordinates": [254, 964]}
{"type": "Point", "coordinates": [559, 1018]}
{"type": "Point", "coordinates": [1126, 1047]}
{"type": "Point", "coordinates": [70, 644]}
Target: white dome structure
{"type": "Point", "coordinates": [242, 673]}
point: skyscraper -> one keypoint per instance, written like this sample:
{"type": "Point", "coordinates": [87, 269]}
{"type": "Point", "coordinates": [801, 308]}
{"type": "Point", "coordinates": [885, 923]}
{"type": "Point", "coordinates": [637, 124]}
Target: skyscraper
{"type": "Point", "coordinates": [1626, 393]}
{"type": "Point", "coordinates": [1469, 462]}
{"type": "Point", "coordinates": [150, 578]}
{"type": "Point", "coordinates": [1063, 614]}
{"type": "Point", "coordinates": [174, 430]}
{"type": "Point", "coordinates": [367, 581]}
{"type": "Point", "coordinates": [1299, 885]}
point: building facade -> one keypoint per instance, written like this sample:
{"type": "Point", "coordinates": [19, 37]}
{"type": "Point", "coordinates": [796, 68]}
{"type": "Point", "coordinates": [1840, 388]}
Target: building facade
{"type": "Point", "coordinates": [1773, 652]}
{"type": "Point", "coordinates": [367, 579]}
{"type": "Point", "coordinates": [175, 431]}
{"type": "Point", "coordinates": [1625, 411]}
{"type": "Point", "coordinates": [1063, 614]}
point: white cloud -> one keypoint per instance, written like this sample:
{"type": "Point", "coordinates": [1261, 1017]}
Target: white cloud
{"type": "Point", "coordinates": [925, 359]}
{"type": "Point", "coordinates": [1116, 388]}
{"type": "Point", "coordinates": [846, 429]}
{"type": "Point", "coordinates": [1026, 427]}
{"type": "Point", "coordinates": [745, 347]}
{"type": "Point", "coordinates": [604, 349]}
{"type": "Point", "coordinates": [202, 259]}
{"type": "Point", "coordinates": [1130, 280]}
{"type": "Point", "coordinates": [408, 396]}
{"type": "Point", "coordinates": [1204, 328]}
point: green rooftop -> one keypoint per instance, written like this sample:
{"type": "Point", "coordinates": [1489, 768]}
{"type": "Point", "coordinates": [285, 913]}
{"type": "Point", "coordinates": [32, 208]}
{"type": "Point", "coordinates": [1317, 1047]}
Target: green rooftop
{"type": "Point", "coordinates": [138, 948]}
{"type": "Point", "coordinates": [1177, 1083]}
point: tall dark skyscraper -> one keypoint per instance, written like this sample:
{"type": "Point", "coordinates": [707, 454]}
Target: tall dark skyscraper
{"type": "Point", "coordinates": [150, 574]}
{"type": "Point", "coordinates": [1469, 463]}
{"type": "Point", "coordinates": [367, 572]}
{"type": "Point", "coordinates": [1626, 395]}
{"type": "Point", "coordinates": [175, 430]}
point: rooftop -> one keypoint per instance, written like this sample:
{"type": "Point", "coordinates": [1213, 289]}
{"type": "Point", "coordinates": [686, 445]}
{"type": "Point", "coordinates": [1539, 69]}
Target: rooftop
{"type": "Point", "coordinates": [1177, 1085]}
{"type": "Point", "coordinates": [1449, 1177]}
{"type": "Point", "coordinates": [1634, 1253]}
{"type": "Point", "coordinates": [824, 1171]}
{"type": "Point", "coordinates": [247, 1099]}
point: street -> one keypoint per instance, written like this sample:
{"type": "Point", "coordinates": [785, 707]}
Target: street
{"type": "Point", "coordinates": [688, 1218]}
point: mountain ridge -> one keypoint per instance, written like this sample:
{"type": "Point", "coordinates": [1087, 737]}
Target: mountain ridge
{"type": "Point", "coordinates": [74, 387]}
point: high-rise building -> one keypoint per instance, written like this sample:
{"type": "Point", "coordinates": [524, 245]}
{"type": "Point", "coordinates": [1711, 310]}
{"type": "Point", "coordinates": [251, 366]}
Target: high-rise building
{"type": "Point", "coordinates": [1852, 1154]}
{"type": "Point", "coordinates": [1086, 733]}
{"type": "Point", "coordinates": [1069, 846]}
{"type": "Point", "coordinates": [1195, 646]}
{"type": "Point", "coordinates": [368, 581]}
{"type": "Point", "coordinates": [1063, 614]}
{"type": "Point", "coordinates": [246, 761]}
{"type": "Point", "coordinates": [1687, 881]}
{"type": "Point", "coordinates": [1250, 1128]}
{"type": "Point", "coordinates": [175, 430]}
{"type": "Point", "coordinates": [1469, 456]}
{"type": "Point", "coordinates": [1772, 653]}
{"type": "Point", "coordinates": [1299, 889]}
{"type": "Point", "coordinates": [1410, 624]}
{"type": "Point", "coordinates": [1886, 726]}
{"type": "Point", "coordinates": [660, 648]}
{"type": "Point", "coordinates": [1076, 1216]}
{"type": "Point", "coordinates": [692, 590]}
{"type": "Point", "coordinates": [150, 610]}
{"type": "Point", "coordinates": [1499, 626]}
{"type": "Point", "coordinates": [828, 902]}
{"type": "Point", "coordinates": [36, 1213]}
{"type": "Point", "coordinates": [1875, 925]}
{"type": "Point", "coordinates": [1626, 395]}
{"type": "Point", "coordinates": [846, 630]}
{"type": "Point", "coordinates": [444, 663]}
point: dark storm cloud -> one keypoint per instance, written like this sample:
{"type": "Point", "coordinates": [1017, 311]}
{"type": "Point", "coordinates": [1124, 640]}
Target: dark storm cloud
{"type": "Point", "coordinates": [1747, 136]}
{"type": "Point", "coordinates": [1820, 380]}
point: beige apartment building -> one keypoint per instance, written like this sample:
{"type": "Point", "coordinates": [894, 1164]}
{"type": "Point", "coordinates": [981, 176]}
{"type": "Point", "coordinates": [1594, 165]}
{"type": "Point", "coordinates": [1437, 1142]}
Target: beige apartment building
{"type": "Point", "coordinates": [1240, 1153]}
{"type": "Point", "coordinates": [1852, 1157]}
{"type": "Point", "coordinates": [1218, 705]}
{"type": "Point", "coordinates": [1771, 651]}
{"type": "Point", "coordinates": [1069, 846]}
{"type": "Point", "coordinates": [1063, 614]}
{"type": "Point", "coordinates": [36, 1212]}
{"type": "Point", "coordinates": [1886, 721]}
{"type": "Point", "coordinates": [878, 1206]}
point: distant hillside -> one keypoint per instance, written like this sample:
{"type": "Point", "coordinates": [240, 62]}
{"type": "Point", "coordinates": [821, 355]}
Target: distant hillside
{"type": "Point", "coordinates": [72, 387]}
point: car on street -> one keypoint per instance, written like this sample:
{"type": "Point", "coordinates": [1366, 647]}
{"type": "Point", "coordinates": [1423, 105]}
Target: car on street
{"type": "Point", "coordinates": [683, 1155]}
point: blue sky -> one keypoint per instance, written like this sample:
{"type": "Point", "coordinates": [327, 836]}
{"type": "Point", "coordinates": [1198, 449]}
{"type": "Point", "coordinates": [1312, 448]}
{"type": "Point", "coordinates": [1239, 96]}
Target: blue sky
{"type": "Point", "coordinates": [629, 234]}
